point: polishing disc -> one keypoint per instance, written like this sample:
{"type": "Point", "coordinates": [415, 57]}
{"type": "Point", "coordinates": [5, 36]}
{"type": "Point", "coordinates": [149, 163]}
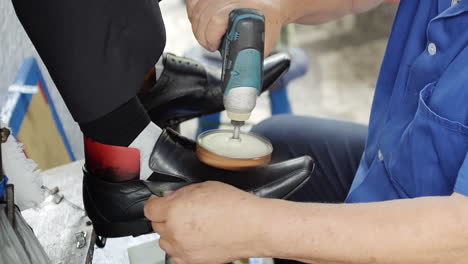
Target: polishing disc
{"type": "Point", "coordinates": [219, 149]}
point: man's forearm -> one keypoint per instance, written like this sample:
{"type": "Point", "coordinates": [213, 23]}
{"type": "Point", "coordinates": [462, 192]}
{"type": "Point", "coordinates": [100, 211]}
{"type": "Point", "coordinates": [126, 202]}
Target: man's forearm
{"type": "Point", "coordinates": [423, 230]}
{"type": "Point", "coordinates": [320, 11]}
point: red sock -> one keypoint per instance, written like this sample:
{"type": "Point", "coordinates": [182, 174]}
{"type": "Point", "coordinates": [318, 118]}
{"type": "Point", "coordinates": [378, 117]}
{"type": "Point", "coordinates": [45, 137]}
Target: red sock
{"type": "Point", "coordinates": [112, 163]}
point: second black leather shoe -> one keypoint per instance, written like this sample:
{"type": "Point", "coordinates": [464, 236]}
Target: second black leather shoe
{"type": "Point", "coordinates": [116, 209]}
{"type": "Point", "coordinates": [186, 89]}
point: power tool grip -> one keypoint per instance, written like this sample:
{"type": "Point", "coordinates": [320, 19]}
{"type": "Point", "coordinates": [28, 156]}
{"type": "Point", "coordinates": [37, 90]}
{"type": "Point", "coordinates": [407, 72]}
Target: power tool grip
{"type": "Point", "coordinates": [242, 50]}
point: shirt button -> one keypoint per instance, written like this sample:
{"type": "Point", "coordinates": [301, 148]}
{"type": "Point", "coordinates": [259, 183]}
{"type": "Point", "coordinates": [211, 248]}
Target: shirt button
{"type": "Point", "coordinates": [380, 155]}
{"type": "Point", "coordinates": [432, 49]}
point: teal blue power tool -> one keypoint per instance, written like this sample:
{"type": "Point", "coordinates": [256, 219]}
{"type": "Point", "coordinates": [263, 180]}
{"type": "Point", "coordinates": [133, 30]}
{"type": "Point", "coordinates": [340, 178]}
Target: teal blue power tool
{"type": "Point", "coordinates": [242, 50]}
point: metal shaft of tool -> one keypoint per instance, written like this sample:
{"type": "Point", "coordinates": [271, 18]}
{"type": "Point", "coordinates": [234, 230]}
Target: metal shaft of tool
{"type": "Point", "coordinates": [236, 133]}
{"type": "Point", "coordinates": [237, 126]}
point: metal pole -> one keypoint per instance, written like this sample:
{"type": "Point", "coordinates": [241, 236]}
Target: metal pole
{"type": "Point", "coordinates": [9, 196]}
{"type": "Point", "coordinates": [10, 199]}
{"type": "Point", "coordinates": [4, 134]}
{"type": "Point", "coordinates": [1, 161]}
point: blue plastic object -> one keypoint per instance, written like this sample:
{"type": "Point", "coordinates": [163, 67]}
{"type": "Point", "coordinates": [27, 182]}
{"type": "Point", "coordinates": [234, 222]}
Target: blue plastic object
{"type": "Point", "coordinates": [3, 184]}
{"type": "Point", "coordinates": [279, 97]}
{"type": "Point", "coordinates": [279, 101]}
{"type": "Point", "coordinates": [208, 122]}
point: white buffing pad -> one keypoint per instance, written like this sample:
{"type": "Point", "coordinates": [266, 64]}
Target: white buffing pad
{"type": "Point", "coordinates": [249, 146]}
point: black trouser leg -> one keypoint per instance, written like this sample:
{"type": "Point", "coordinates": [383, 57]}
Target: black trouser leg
{"type": "Point", "coordinates": [97, 51]}
{"type": "Point", "coordinates": [335, 146]}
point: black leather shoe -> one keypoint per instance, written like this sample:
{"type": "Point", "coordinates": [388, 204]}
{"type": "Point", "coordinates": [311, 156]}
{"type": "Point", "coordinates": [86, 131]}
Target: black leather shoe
{"type": "Point", "coordinates": [116, 209]}
{"type": "Point", "coordinates": [187, 90]}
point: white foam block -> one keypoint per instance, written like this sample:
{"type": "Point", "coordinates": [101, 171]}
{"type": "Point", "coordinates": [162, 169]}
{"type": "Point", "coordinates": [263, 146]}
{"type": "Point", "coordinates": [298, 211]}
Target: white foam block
{"type": "Point", "coordinates": [22, 172]}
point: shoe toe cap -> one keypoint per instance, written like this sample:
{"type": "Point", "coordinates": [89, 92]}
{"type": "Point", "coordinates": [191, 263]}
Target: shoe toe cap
{"type": "Point", "coordinates": [287, 177]}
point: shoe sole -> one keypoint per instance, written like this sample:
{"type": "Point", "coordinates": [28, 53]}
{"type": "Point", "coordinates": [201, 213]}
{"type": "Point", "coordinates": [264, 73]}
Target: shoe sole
{"type": "Point", "coordinates": [122, 229]}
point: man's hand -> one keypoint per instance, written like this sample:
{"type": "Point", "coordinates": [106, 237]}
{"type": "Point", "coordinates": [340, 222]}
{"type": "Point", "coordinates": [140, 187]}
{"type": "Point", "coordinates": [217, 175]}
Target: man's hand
{"type": "Point", "coordinates": [207, 223]}
{"type": "Point", "coordinates": [209, 19]}
{"type": "Point", "coordinates": [214, 223]}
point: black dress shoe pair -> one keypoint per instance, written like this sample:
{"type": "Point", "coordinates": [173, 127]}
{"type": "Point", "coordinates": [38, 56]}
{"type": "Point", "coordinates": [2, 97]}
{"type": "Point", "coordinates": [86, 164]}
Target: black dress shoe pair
{"type": "Point", "coordinates": [185, 90]}
{"type": "Point", "coordinates": [116, 209]}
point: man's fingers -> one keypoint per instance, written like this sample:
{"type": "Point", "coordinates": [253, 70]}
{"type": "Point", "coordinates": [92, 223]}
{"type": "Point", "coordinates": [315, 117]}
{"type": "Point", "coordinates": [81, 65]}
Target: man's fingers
{"type": "Point", "coordinates": [159, 228]}
{"type": "Point", "coordinates": [189, 4]}
{"type": "Point", "coordinates": [215, 28]}
{"type": "Point", "coordinates": [156, 209]}
{"type": "Point", "coordinates": [199, 12]}
{"type": "Point", "coordinates": [165, 246]}
{"type": "Point", "coordinates": [177, 261]}
{"type": "Point", "coordinates": [271, 37]}
{"type": "Point", "coordinates": [209, 22]}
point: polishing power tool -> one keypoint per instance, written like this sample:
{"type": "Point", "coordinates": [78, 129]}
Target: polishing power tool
{"type": "Point", "coordinates": [242, 51]}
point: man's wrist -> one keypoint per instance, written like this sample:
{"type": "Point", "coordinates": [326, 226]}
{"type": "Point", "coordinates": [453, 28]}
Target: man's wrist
{"type": "Point", "coordinates": [265, 228]}
{"type": "Point", "coordinates": [255, 229]}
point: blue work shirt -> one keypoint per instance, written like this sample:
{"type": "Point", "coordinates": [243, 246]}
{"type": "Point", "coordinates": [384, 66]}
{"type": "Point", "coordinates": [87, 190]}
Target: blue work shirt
{"type": "Point", "coordinates": [418, 130]}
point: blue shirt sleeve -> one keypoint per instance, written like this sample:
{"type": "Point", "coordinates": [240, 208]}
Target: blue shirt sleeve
{"type": "Point", "coordinates": [461, 186]}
